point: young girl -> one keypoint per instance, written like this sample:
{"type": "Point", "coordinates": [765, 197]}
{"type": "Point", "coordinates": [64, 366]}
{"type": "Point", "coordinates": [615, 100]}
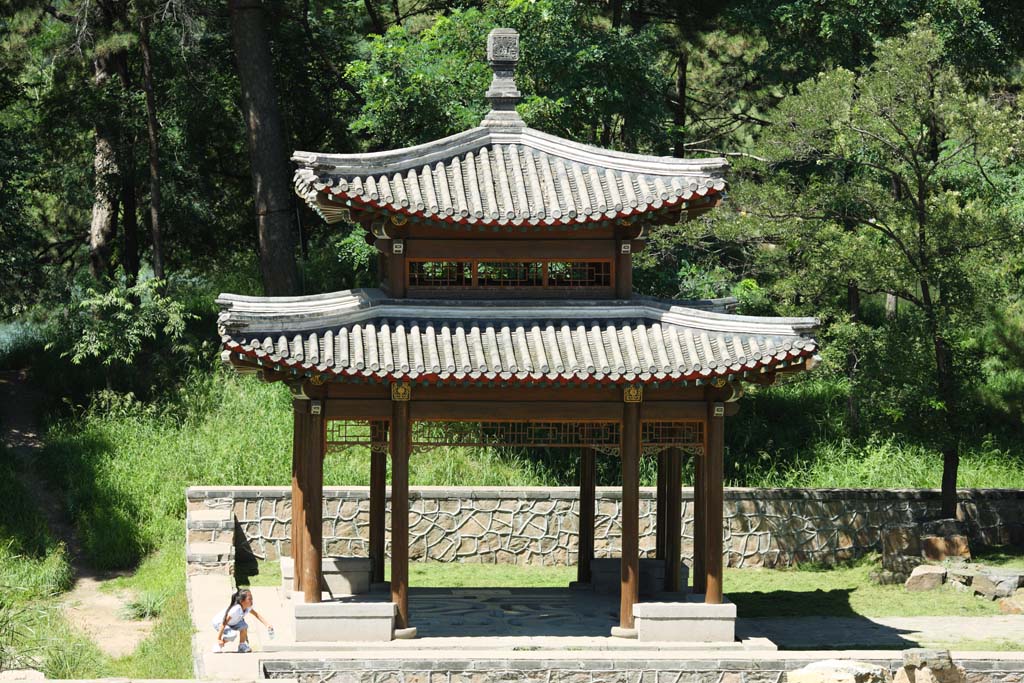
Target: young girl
{"type": "Point", "coordinates": [231, 622]}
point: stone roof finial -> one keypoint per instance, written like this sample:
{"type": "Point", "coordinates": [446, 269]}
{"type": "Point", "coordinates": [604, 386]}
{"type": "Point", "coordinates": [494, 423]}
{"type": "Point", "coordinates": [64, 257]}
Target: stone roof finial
{"type": "Point", "coordinates": [502, 55]}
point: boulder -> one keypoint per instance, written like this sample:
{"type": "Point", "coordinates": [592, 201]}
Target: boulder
{"type": "Point", "coordinates": [960, 575]}
{"type": "Point", "coordinates": [938, 548]}
{"type": "Point", "coordinates": [1013, 604]}
{"type": "Point", "coordinates": [925, 578]}
{"type": "Point", "coordinates": [994, 586]}
{"type": "Point", "coordinates": [929, 666]}
{"type": "Point", "coordinates": [839, 671]}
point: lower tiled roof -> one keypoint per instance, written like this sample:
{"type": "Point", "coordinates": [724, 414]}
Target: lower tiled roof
{"type": "Point", "coordinates": [360, 333]}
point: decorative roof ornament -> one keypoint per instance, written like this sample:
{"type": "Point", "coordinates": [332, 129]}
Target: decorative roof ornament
{"type": "Point", "coordinates": [502, 56]}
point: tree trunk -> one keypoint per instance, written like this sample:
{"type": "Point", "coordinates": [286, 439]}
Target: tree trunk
{"type": "Point", "coordinates": [271, 172]}
{"type": "Point", "coordinates": [892, 306]}
{"type": "Point", "coordinates": [130, 258]}
{"type": "Point", "coordinates": [616, 13]}
{"type": "Point", "coordinates": [945, 379]}
{"type": "Point", "coordinates": [853, 308]}
{"type": "Point", "coordinates": [107, 183]}
{"type": "Point", "coordinates": [679, 111]}
{"type": "Point", "coordinates": [375, 19]}
{"type": "Point", "coordinates": [152, 129]}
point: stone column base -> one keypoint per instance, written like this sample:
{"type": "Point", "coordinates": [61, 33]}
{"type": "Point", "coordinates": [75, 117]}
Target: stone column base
{"type": "Point", "coordinates": [345, 621]}
{"type": "Point", "coordinates": [342, 575]}
{"type": "Point", "coordinates": [691, 621]}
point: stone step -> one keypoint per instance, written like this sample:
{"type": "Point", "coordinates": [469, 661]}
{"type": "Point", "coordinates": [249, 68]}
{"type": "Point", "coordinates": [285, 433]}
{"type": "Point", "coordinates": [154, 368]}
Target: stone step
{"type": "Point", "coordinates": [221, 520]}
{"type": "Point", "coordinates": [209, 558]}
{"type": "Point", "coordinates": [210, 553]}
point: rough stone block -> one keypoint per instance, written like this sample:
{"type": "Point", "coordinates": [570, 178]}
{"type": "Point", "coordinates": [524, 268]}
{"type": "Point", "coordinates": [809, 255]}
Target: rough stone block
{"type": "Point", "coordinates": [926, 577]}
{"type": "Point", "coordinates": [344, 621]}
{"type": "Point", "coordinates": [691, 621]}
{"type": "Point", "coordinates": [994, 586]}
{"type": "Point", "coordinates": [929, 666]}
{"type": "Point", "coordinates": [938, 548]}
{"type": "Point", "coordinates": [1013, 604]}
{"type": "Point", "coordinates": [839, 671]}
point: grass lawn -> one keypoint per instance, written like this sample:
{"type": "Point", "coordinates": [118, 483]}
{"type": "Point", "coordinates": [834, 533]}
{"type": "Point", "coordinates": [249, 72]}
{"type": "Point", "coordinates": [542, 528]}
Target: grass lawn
{"type": "Point", "coordinates": [838, 591]}
{"type": "Point", "coordinates": [841, 592]}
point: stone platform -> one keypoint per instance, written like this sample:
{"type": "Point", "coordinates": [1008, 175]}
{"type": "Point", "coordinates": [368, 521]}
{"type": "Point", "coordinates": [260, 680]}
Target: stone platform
{"type": "Point", "coordinates": [473, 635]}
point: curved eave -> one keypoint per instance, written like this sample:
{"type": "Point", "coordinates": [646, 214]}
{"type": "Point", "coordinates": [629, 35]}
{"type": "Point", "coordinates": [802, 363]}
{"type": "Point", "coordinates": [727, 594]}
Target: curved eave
{"type": "Point", "coordinates": [360, 335]}
{"type": "Point", "coordinates": [518, 177]}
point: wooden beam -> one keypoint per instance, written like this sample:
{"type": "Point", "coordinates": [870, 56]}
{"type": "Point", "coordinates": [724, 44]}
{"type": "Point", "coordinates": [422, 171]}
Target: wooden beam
{"type": "Point", "coordinates": [312, 484]}
{"type": "Point", "coordinates": [358, 409]}
{"type": "Point", "coordinates": [378, 505]}
{"type": "Point", "coordinates": [298, 524]}
{"type": "Point", "coordinates": [674, 410]}
{"type": "Point", "coordinates": [713, 492]}
{"type": "Point", "coordinates": [673, 520]}
{"type": "Point", "coordinates": [514, 410]}
{"type": "Point", "coordinates": [588, 498]}
{"type": "Point", "coordinates": [656, 399]}
{"type": "Point", "coordinates": [630, 457]}
{"type": "Point", "coordinates": [400, 437]}
{"type": "Point", "coordinates": [453, 249]}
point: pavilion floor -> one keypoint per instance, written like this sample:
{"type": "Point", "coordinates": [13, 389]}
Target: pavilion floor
{"type": "Point", "coordinates": [540, 623]}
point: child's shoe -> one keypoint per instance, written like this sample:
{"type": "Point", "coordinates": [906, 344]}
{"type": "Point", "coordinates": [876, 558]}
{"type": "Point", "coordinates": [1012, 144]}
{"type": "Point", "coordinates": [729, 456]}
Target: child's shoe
{"type": "Point", "coordinates": [244, 647]}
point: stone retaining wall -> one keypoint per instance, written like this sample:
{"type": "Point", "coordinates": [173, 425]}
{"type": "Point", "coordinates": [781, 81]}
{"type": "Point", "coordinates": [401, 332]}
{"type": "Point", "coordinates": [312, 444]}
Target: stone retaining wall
{"type": "Point", "coordinates": [619, 670]}
{"type": "Point", "coordinates": [763, 527]}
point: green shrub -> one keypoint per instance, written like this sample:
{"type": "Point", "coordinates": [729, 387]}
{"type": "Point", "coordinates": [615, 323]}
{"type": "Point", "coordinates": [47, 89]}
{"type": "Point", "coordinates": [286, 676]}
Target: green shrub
{"type": "Point", "coordinates": [147, 605]}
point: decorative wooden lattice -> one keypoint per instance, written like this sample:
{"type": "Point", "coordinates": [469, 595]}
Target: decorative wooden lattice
{"type": "Point", "coordinates": [440, 273]}
{"type": "Point", "coordinates": [686, 436]}
{"type": "Point", "coordinates": [515, 434]}
{"type": "Point", "coordinates": [342, 434]}
{"type": "Point", "coordinates": [604, 437]}
{"type": "Point", "coordinates": [502, 274]}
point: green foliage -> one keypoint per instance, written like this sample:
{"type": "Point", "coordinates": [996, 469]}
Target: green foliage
{"type": "Point", "coordinates": [419, 87]}
{"type": "Point", "coordinates": [112, 326]}
{"type": "Point", "coordinates": [1002, 343]}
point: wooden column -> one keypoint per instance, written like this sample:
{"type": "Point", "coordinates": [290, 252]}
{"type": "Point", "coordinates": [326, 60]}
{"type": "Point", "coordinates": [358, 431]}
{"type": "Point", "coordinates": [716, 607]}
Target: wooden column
{"type": "Point", "coordinates": [630, 455]}
{"type": "Point", "coordinates": [623, 272]}
{"type": "Point", "coordinates": [661, 507]}
{"type": "Point", "coordinates": [312, 484]}
{"type": "Point", "coordinates": [588, 495]}
{"type": "Point", "coordinates": [298, 525]}
{"type": "Point", "coordinates": [699, 522]}
{"type": "Point", "coordinates": [713, 494]}
{"type": "Point", "coordinates": [400, 437]}
{"type": "Point", "coordinates": [673, 519]}
{"type": "Point", "coordinates": [378, 500]}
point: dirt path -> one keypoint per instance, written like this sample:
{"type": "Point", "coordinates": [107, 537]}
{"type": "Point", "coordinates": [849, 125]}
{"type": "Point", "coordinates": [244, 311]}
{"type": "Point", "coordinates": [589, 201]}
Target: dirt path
{"type": "Point", "coordinates": [91, 610]}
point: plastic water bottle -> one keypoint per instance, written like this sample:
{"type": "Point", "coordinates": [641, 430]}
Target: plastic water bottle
{"type": "Point", "coordinates": [270, 633]}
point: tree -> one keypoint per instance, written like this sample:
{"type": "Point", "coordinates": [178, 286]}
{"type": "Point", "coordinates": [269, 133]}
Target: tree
{"type": "Point", "coordinates": [896, 179]}
{"type": "Point", "coordinates": [268, 152]}
{"type": "Point", "coordinates": [418, 87]}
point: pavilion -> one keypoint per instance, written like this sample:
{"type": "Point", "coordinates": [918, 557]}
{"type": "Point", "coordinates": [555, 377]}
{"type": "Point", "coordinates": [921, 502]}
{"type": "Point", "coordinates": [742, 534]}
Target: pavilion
{"type": "Point", "coordinates": [506, 305]}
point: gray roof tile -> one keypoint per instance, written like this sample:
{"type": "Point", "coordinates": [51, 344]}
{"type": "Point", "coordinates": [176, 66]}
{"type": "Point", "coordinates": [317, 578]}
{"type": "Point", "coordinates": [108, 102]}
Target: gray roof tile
{"type": "Point", "coordinates": [509, 176]}
{"type": "Point", "coordinates": [362, 333]}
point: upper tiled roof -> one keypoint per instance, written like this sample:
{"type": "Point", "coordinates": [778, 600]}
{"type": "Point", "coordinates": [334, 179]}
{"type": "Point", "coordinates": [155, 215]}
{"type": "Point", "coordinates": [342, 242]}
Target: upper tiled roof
{"type": "Point", "coordinates": [505, 174]}
{"type": "Point", "coordinates": [360, 333]}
